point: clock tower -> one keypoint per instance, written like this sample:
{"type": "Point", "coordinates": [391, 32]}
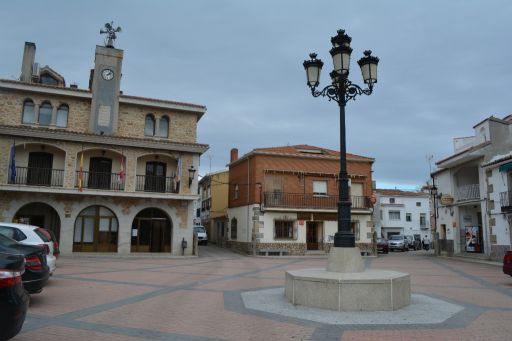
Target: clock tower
{"type": "Point", "coordinates": [106, 81]}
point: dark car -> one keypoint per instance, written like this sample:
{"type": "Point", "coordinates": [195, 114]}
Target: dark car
{"type": "Point", "coordinates": [13, 297]}
{"type": "Point", "coordinates": [507, 263]}
{"type": "Point", "coordinates": [37, 271]}
{"type": "Point", "coordinates": [382, 245]}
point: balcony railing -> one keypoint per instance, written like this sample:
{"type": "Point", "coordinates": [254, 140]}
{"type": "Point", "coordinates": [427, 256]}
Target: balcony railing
{"type": "Point", "coordinates": [100, 180]}
{"type": "Point", "coordinates": [33, 176]}
{"type": "Point", "coordinates": [506, 201]}
{"type": "Point", "coordinates": [161, 184]}
{"type": "Point", "coordinates": [468, 192]}
{"type": "Point", "coordinates": [310, 201]}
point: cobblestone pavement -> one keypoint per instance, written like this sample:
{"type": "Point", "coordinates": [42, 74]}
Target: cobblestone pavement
{"type": "Point", "coordinates": [111, 298]}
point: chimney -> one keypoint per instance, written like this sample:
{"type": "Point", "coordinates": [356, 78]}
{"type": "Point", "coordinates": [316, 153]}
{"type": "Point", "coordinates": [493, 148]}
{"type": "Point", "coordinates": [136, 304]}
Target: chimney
{"type": "Point", "coordinates": [91, 77]}
{"type": "Point", "coordinates": [234, 155]}
{"type": "Point", "coordinates": [29, 56]}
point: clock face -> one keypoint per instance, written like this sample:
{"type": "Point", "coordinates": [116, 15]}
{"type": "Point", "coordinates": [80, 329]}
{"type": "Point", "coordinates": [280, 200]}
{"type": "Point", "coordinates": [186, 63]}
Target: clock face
{"type": "Point", "coordinates": [107, 74]}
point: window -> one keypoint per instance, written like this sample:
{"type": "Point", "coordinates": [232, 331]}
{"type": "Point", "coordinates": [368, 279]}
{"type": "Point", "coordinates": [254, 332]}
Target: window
{"type": "Point", "coordinates": [233, 228]}
{"type": "Point", "coordinates": [319, 187]}
{"type": "Point", "coordinates": [149, 128]}
{"type": "Point", "coordinates": [62, 116]}
{"type": "Point", "coordinates": [45, 114]}
{"type": "Point", "coordinates": [391, 200]}
{"type": "Point", "coordinates": [164, 127]}
{"type": "Point", "coordinates": [283, 229]}
{"type": "Point", "coordinates": [28, 112]}
{"type": "Point", "coordinates": [48, 80]}
{"type": "Point", "coordinates": [394, 215]}
{"type": "Point", "coordinates": [236, 192]}
{"type": "Point", "coordinates": [418, 204]}
{"type": "Point", "coordinates": [408, 217]}
{"type": "Point", "coordinates": [423, 220]}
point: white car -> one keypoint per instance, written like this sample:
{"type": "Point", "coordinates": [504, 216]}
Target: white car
{"type": "Point", "coordinates": [31, 235]}
{"type": "Point", "coordinates": [202, 236]}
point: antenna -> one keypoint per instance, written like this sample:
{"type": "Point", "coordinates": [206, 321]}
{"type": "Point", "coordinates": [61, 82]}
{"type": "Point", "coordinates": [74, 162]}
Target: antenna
{"type": "Point", "coordinates": [429, 158]}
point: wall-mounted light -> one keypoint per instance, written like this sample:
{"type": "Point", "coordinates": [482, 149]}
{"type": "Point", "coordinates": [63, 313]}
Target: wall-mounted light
{"type": "Point", "coordinates": [191, 174]}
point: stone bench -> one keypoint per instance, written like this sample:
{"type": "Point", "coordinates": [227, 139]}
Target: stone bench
{"type": "Point", "coordinates": [267, 251]}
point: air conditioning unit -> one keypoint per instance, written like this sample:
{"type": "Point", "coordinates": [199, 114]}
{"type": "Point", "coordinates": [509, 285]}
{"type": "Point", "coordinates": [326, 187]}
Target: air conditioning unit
{"type": "Point", "coordinates": [35, 71]}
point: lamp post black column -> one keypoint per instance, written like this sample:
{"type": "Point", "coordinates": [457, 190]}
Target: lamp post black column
{"type": "Point", "coordinates": [342, 90]}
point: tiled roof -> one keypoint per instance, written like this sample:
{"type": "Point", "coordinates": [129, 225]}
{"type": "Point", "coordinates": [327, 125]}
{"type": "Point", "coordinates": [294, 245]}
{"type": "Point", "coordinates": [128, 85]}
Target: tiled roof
{"type": "Point", "coordinates": [302, 150]}
{"type": "Point", "coordinates": [88, 91]}
{"type": "Point", "coordinates": [399, 193]}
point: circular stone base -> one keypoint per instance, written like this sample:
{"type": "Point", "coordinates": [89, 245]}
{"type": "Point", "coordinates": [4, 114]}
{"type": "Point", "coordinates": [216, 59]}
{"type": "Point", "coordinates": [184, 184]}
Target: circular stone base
{"type": "Point", "coordinates": [370, 290]}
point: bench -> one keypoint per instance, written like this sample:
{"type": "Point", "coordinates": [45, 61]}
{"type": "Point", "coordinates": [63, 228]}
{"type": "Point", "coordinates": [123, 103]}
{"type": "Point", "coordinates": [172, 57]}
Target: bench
{"type": "Point", "coordinates": [267, 252]}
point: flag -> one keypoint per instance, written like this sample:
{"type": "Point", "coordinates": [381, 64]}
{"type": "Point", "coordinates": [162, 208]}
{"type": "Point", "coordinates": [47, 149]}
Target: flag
{"type": "Point", "coordinates": [12, 164]}
{"type": "Point", "coordinates": [81, 174]}
{"type": "Point", "coordinates": [178, 176]}
{"type": "Point", "coordinates": [121, 171]}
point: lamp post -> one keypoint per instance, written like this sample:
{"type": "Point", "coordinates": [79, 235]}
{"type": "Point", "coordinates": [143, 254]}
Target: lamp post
{"type": "Point", "coordinates": [433, 193]}
{"type": "Point", "coordinates": [341, 90]}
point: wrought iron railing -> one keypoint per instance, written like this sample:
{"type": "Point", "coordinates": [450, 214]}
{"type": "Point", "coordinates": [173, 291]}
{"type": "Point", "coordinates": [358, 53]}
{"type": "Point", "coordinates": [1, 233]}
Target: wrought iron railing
{"type": "Point", "coordinates": [162, 184]}
{"type": "Point", "coordinates": [310, 201]}
{"type": "Point", "coordinates": [468, 192]}
{"type": "Point", "coordinates": [34, 176]}
{"type": "Point", "coordinates": [100, 180]}
{"type": "Point", "coordinates": [506, 201]}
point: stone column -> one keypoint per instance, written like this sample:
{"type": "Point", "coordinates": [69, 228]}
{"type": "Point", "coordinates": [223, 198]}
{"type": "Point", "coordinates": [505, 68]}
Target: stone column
{"type": "Point", "coordinates": [157, 126]}
{"type": "Point", "coordinates": [36, 113]}
{"type": "Point", "coordinates": [53, 122]}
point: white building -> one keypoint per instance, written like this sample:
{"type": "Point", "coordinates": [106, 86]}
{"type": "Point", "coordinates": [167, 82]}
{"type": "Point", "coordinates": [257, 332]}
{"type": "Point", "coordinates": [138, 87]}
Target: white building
{"type": "Point", "coordinates": [474, 210]}
{"type": "Point", "coordinates": [401, 212]}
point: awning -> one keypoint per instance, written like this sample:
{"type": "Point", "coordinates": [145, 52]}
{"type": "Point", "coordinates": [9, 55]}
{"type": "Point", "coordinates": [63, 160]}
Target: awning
{"type": "Point", "coordinates": [507, 167]}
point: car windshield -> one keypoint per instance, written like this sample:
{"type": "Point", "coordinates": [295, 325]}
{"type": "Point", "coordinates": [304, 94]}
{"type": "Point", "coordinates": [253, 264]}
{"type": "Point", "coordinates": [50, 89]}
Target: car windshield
{"type": "Point", "coordinates": [396, 238]}
{"type": "Point", "coordinates": [381, 240]}
{"type": "Point", "coordinates": [200, 229]}
{"type": "Point", "coordinates": [6, 241]}
{"type": "Point", "coordinates": [45, 236]}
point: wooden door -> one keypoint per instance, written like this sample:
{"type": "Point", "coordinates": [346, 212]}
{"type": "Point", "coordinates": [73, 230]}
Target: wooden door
{"type": "Point", "coordinates": [311, 236]}
{"type": "Point", "coordinates": [100, 173]}
{"type": "Point", "coordinates": [39, 170]}
{"type": "Point", "coordinates": [155, 177]}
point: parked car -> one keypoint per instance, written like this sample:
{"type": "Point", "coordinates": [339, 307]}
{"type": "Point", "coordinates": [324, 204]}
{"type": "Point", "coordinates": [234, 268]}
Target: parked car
{"type": "Point", "coordinates": [414, 244]}
{"type": "Point", "coordinates": [31, 235]}
{"type": "Point", "coordinates": [13, 297]}
{"type": "Point", "coordinates": [382, 245]}
{"type": "Point", "coordinates": [507, 263]}
{"type": "Point", "coordinates": [36, 272]}
{"type": "Point", "coordinates": [201, 234]}
{"type": "Point", "coordinates": [398, 242]}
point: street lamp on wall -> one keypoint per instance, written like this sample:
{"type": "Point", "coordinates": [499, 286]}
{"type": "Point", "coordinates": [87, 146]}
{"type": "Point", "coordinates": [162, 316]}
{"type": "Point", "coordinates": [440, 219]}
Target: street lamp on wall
{"type": "Point", "coordinates": [342, 90]}
{"type": "Point", "coordinates": [191, 174]}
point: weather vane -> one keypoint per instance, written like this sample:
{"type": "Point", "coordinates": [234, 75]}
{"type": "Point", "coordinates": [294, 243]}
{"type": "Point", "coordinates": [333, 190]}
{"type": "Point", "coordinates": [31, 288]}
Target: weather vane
{"type": "Point", "coordinates": [110, 31]}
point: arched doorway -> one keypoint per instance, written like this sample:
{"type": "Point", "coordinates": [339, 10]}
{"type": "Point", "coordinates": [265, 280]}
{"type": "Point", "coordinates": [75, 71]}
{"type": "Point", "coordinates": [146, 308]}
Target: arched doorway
{"type": "Point", "coordinates": [39, 214]}
{"type": "Point", "coordinates": [151, 231]}
{"type": "Point", "coordinates": [96, 230]}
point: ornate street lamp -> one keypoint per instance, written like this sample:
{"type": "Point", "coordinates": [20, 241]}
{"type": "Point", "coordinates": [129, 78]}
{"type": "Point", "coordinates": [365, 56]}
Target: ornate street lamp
{"type": "Point", "coordinates": [342, 90]}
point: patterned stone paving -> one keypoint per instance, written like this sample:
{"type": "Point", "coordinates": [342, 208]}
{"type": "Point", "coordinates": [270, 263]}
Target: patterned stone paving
{"type": "Point", "coordinates": [133, 298]}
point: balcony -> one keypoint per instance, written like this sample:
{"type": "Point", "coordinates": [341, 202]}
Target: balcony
{"type": "Point", "coordinates": [506, 201]}
{"type": "Point", "coordinates": [154, 183]}
{"type": "Point", "coordinates": [310, 201]}
{"type": "Point", "coordinates": [34, 176]}
{"type": "Point", "coordinates": [100, 180]}
{"type": "Point", "coordinates": [468, 192]}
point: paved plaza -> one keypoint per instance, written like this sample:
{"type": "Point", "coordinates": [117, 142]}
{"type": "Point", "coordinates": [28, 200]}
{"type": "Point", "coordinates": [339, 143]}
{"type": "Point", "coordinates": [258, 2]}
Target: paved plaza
{"type": "Point", "coordinates": [205, 298]}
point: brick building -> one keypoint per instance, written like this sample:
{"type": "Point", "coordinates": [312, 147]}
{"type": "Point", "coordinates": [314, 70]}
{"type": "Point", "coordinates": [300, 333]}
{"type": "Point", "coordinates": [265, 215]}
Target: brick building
{"type": "Point", "coordinates": [105, 171]}
{"type": "Point", "coordinates": [284, 198]}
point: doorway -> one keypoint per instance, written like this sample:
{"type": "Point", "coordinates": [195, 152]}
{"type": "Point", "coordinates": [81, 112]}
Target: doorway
{"type": "Point", "coordinates": [39, 170]}
{"type": "Point", "coordinates": [151, 231]}
{"type": "Point", "coordinates": [311, 235]}
{"type": "Point", "coordinates": [155, 177]}
{"type": "Point", "coordinates": [96, 230]}
{"type": "Point", "coordinates": [39, 214]}
{"type": "Point", "coordinates": [100, 173]}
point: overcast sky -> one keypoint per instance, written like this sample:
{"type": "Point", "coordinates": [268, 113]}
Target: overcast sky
{"type": "Point", "coordinates": [444, 66]}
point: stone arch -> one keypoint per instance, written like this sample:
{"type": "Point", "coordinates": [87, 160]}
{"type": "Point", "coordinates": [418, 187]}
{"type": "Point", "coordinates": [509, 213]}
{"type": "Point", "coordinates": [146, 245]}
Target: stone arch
{"type": "Point", "coordinates": [96, 229]}
{"type": "Point", "coordinates": [39, 214]}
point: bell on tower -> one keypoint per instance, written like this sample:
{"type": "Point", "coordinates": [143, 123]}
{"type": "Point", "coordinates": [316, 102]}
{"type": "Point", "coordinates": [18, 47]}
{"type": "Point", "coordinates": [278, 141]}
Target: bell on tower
{"type": "Point", "coordinates": [110, 31]}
